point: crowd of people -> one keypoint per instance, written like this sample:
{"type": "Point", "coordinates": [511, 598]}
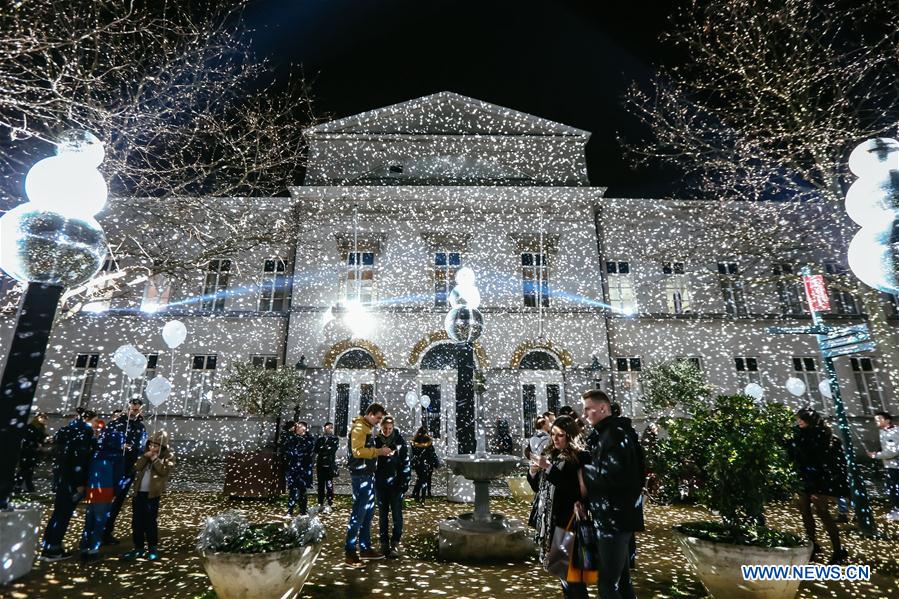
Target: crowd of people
{"type": "Point", "coordinates": [97, 462]}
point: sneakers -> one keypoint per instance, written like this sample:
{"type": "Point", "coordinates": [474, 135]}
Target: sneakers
{"type": "Point", "coordinates": [352, 560]}
{"type": "Point", "coordinates": [390, 552]}
{"type": "Point", "coordinates": [893, 516]}
{"type": "Point", "coordinates": [152, 554]}
{"type": "Point", "coordinates": [371, 554]}
{"type": "Point", "coordinates": [133, 555]}
{"type": "Point", "coordinates": [54, 555]}
{"type": "Point", "coordinates": [838, 557]}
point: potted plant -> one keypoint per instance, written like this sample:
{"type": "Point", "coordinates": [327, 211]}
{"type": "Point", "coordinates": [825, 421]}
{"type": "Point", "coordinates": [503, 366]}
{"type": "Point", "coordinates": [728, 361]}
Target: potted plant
{"type": "Point", "coordinates": [264, 393]}
{"type": "Point", "coordinates": [259, 561]}
{"type": "Point", "coordinates": [732, 450]}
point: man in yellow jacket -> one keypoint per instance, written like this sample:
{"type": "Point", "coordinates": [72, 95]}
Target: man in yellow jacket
{"type": "Point", "coordinates": [362, 462]}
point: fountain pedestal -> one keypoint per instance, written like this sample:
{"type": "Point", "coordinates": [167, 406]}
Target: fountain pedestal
{"type": "Point", "coordinates": [481, 535]}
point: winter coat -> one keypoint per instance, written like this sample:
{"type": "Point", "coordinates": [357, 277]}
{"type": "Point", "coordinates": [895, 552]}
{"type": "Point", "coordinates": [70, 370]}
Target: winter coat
{"type": "Point", "coordinates": [889, 447]}
{"type": "Point", "coordinates": [615, 476]}
{"type": "Point", "coordinates": [326, 456]}
{"type": "Point", "coordinates": [35, 434]}
{"type": "Point", "coordinates": [820, 463]}
{"type": "Point", "coordinates": [74, 450]}
{"type": "Point", "coordinates": [393, 472]}
{"type": "Point", "coordinates": [107, 467]}
{"type": "Point", "coordinates": [361, 452]}
{"type": "Point", "coordinates": [424, 456]}
{"type": "Point", "coordinates": [135, 435]}
{"type": "Point", "coordinates": [159, 469]}
{"type": "Point", "coordinates": [558, 489]}
{"type": "Point", "coordinates": [299, 453]}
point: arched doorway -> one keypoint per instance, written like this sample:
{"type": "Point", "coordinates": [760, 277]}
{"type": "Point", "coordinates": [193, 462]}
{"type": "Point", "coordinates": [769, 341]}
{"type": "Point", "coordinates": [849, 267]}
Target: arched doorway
{"type": "Point", "coordinates": [542, 386]}
{"type": "Point", "coordinates": [437, 379]}
{"type": "Point", "coordinates": [352, 387]}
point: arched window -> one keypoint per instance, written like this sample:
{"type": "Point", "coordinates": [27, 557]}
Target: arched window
{"type": "Point", "coordinates": [538, 360]}
{"type": "Point", "coordinates": [356, 359]}
{"type": "Point", "coordinates": [440, 357]}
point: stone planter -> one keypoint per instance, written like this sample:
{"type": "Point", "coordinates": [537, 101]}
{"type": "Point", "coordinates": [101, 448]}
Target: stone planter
{"type": "Point", "coordinates": [519, 488]}
{"type": "Point", "coordinates": [279, 574]}
{"type": "Point", "coordinates": [253, 474]}
{"type": "Point", "coordinates": [19, 534]}
{"type": "Point", "coordinates": [718, 565]}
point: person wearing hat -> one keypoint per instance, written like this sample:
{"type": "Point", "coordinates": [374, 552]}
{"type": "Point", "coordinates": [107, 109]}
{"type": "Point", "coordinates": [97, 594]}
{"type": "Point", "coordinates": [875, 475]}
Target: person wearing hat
{"type": "Point", "coordinates": [151, 474]}
{"type": "Point", "coordinates": [131, 425]}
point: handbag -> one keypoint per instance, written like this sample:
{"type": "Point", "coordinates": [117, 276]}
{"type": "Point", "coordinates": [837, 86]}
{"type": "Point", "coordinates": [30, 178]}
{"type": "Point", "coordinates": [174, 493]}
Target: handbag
{"type": "Point", "coordinates": [584, 564]}
{"type": "Point", "coordinates": [558, 560]}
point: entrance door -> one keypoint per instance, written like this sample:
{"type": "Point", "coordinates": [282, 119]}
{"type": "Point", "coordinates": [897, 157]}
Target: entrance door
{"type": "Point", "coordinates": [352, 391]}
{"type": "Point", "coordinates": [440, 416]}
{"type": "Point", "coordinates": [541, 391]}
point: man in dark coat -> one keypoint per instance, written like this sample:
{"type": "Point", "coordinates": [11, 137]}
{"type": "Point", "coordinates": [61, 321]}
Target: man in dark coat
{"type": "Point", "coordinates": [326, 464]}
{"type": "Point", "coordinates": [392, 478]}
{"type": "Point", "coordinates": [32, 443]}
{"type": "Point", "coordinates": [299, 453]}
{"type": "Point", "coordinates": [74, 450]}
{"type": "Point", "coordinates": [131, 426]}
{"type": "Point", "coordinates": [614, 482]}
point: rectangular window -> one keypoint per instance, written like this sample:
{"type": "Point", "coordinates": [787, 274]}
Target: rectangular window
{"type": "Point", "coordinates": [432, 414]}
{"type": "Point", "coordinates": [732, 288]}
{"type": "Point", "coordinates": [216, 285]}
{"type": "Point", "coordinates": [806, 368]}
{"type": "Point", "coordinates": [266, 361]}
{"type": "Point", "coordinates": [534, 280]}
{"type": "Point", "coordinates": [695, 360]}
{"type": "Point", "coordinates": [676, 287]}
{"type": "Point", "coordinates": [101, 296]}
{"type": "Point", "coordinates": [553, 397]}
{"type": "Point", "coordinates": [342, 409]}
{"type": "Point", "coordinates": [200, 386]}
{"type": "Point", "coordinates": [274, 294]}
{"type": "Point", "coordinates": [358, 278]}
{"type": "Point", "coordinates": [528, 407]}
{"type": "Point", "coordinates": [366, 396]}
{"type": "Point", "coordinates": [81, 381]}
{"type": "Point", "coordinates": [747, 370]}
{"type": "Point", "coordinates": [841, 302]}
{"type": "Point", "coordinates": [864, 370]}
{"type": "Point", "coordinates": [790, 290]}
{"type": "Point", "coordinates": [621, 287]}
{"type": "Point", "coordinates": [156, 293]}
{"type": "Point", "coordinates": [446, 264]}
{"type": "Point", "coordinates": [627, 379]}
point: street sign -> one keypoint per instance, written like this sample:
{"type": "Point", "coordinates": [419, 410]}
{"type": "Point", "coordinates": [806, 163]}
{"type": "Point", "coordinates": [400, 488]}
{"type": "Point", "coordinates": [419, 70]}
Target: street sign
{"type": "Point", "coordinates": [847, 350]}
{"type": "Point", "coordinates": [816, 292]}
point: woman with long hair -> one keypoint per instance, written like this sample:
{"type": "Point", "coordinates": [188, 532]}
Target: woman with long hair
{"type": "Point", "coordinates": [554, 476]}
{"type": "Point", "coordinates": [821, 466]}
{"type": "Point", "coordinates": [424, 460]}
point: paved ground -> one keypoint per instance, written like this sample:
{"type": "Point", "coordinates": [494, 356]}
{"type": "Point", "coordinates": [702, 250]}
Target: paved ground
{"type": "Point", "coordinates": [661, 571]}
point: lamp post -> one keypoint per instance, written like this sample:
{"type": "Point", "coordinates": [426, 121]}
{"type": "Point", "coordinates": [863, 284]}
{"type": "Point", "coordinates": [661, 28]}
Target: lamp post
{"type": "Point", "coordinates": [464, 324]}
{"type": "Point", "coordinates": [50, 243]}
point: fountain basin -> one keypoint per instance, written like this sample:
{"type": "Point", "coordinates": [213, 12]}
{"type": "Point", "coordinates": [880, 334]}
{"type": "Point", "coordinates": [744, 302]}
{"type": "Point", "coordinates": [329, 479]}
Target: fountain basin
{"type": "Point", "coordinates": [485, 467]}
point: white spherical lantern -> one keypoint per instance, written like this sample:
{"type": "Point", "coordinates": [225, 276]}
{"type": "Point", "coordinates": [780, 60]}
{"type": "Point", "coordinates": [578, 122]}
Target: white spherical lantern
{"type": "Point", "coordinates": [873, 156]}
{"type": "Point", "coordinates": [83, 145]}
{"type": "Point", "coordinates": [464, 324]}
{"type": "Point", "coordinates": [465, 295]}
{"type": "Point", "coordinates": [795, 386]}
{"type": "Point", "coordinates": [68, 185]}
{"type": "Point", "coordinates": [871, 200]}
{"type": "Point", "coordinates": [871, 257]}
{"type": "Point", "coordinates": [465, 276]}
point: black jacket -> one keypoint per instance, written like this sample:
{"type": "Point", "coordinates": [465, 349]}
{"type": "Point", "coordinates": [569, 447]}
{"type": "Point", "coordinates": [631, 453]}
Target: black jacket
{"type": "Point", "coordinates": [424, 456]}
{"type": "Point", "coordinates": [615, 477]}
{"type": "Point", "coordinates": [393, 472]}
{"type": "Point", "coordinates": [135, 435]}
{"type": "Point", "coordinates": [326, 456]}
{"type": "Point", "coordinates": [74, 450]}
{"type": "Point", "coordinates": [819, 460]}
{"type": "Point", "coordinates": [35, 434]}
{"type": "Point", "coordinates": [563, 477]}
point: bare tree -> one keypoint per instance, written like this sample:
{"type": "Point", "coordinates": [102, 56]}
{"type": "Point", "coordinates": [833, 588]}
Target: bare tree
{"type": "Point", "coordinates": [772, 97]}
{"type": "Point", "coordinates": [187, 114]}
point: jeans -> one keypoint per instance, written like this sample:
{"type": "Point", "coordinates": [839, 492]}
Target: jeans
{"type": "Point", "coordinates": [63, 507]}
{"type": "Point", "coordinates": [358, 529]}
{"type": "Point", "coordinates": [614, 575]}
{"type": "Point", "coordinates": [121, 493]}
{"type": "Point", "coordinates": [144, 521]}
{"type": "Point", "coordinates": [296, 489]}
{"type": "Point", "coordinates": [325, 485]}
{"type": "Point", "coordinates": [94, 525]}
{"type": "Point", "coordinates": [390, 500]}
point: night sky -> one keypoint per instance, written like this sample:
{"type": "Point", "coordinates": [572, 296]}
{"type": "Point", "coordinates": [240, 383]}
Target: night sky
{"type": "Point", "coordinates": [562, 60]}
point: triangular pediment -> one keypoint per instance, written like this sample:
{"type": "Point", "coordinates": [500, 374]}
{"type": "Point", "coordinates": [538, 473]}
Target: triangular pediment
{"type": "Point", "coordinates": [446, 113]}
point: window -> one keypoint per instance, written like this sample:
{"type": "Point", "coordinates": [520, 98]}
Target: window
{"type": "Point", "coordinates": [790, 290]}
{"type": "Point", "coordinates": [864, 370]}
{"type": "Point", "coordinates": [81, 381]}
{"type": "Point", "coordinates": [534, 279]}
{"type": "Point", "coordinates": [156, 293]}
{"type": "Point", "coordinates": [695, 360]}
{"type": "Point", "coordinates": [432, 414]}
{"type": "Point", "coordinates": [621, 287]}
{"type": "Point", "coordinates": [266, 361]}
{"type": "Point", "coordinates": [342, 409]}
{"type": "Point", "coordinates": [528, 407]}
{"type": "Point", "coordinates": [358, 279]}
{"type": "Point", "coordinates": [806, 368]}
{"type": "Point", "coordinates": [445, 266]}
{"type": "Point", "coordinates": [732, 288]}
{"type": "Point", "coordinates": [892, 300]}
{"type": "Point", "coordinates": [274, 293]}
{"type": "Point", "coordinates": [102, 294]}
{"type": "Point", "coordinates": [216, 285]}
{"type": "Point", "coordinates": [627, 379]}
{"type": "Point", "coordinates": [676, 288]}
{"type": "Point", "coordinates": [841, 302]}
{"type": "Point", "coordinates": [199, 388]}
{"type": "Point", "coordinates": [747, 370]}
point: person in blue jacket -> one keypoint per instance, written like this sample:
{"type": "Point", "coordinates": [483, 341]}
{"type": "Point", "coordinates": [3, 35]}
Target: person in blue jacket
{"type": "Point", "coordinates": [299, 455]}
{"type": "Point", "coordinates": [131, 426]}
{"type": "Point", "coordinates": [392, 477]}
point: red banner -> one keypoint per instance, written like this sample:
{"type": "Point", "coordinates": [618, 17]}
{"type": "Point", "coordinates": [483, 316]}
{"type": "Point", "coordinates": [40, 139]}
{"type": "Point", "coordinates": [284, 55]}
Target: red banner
{"type": "Point", "coordinates": [816, 292]}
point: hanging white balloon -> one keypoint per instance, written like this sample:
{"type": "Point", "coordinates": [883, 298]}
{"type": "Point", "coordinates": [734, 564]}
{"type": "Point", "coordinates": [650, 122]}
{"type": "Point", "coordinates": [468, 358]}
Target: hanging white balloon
{"type": "Point", "coordinates": [754, 390]}
{"type": "Point", "coordinates": [425, 401]}
{"type": "Point", "coordinates": [795, 386]}
{"type": "Point", "coordinates": [158, 390]}
{"type": "Point", "coordinates": [174, 333]}
{"type": "Point", "coordinates": [126, 355]}
{"type": "Point", "coordinates": [411, 399]}
{"type": "Point", "coordinates": [824, 388]}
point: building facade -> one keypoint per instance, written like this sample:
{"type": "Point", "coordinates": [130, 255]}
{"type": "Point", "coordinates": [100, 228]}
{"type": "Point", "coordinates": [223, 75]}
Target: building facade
{"type": "Point", "coordinates": [578, 290]}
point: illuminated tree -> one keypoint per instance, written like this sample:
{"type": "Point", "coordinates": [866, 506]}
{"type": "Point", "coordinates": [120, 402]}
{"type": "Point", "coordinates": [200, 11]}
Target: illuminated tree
{"type": "Point", "coordinates": [772, 97]}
